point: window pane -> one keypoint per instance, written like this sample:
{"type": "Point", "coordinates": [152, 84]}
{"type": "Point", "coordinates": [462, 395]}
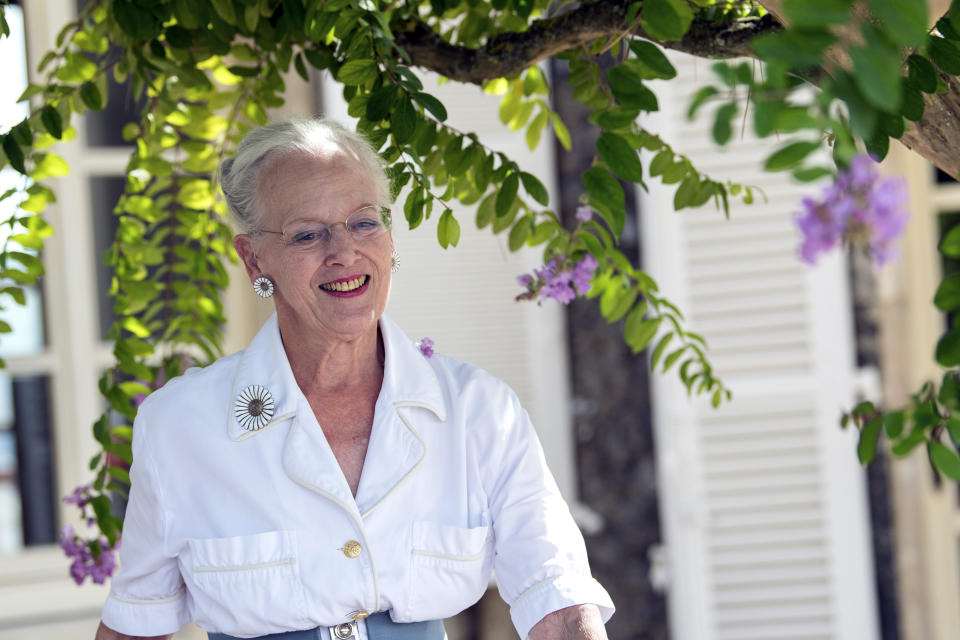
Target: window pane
{"type": "Point", "coordinates": [104, 194]}
{"type": "Point", "coordinates": [28, 500]}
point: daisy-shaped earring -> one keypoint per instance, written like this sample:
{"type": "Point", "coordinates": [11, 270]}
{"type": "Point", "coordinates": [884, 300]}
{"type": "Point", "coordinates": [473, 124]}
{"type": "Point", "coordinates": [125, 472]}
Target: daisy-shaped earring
{"type": "Point", "coordinates": [254, 407]}
{"type": "Point", "coordinates": [263, 287]}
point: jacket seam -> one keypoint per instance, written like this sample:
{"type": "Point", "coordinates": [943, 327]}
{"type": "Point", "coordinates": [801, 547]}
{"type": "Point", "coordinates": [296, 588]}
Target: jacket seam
{"type": "Point", "coordinates": [155, 601]}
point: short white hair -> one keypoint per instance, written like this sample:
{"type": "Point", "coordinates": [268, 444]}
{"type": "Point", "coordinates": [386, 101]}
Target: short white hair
{"type": "Point", "coordinates": [239, 176]}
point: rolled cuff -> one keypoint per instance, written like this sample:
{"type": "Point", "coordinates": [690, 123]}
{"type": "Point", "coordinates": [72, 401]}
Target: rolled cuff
{"type": "Point", "coordinates": [558, 593]}
{"type": "Point", "coordinates": [146, 617]}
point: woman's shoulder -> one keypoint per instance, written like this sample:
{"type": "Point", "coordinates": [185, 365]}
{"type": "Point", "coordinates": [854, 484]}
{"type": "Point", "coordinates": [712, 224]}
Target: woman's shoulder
{"type": "Point", "coordinates": [195, 385]}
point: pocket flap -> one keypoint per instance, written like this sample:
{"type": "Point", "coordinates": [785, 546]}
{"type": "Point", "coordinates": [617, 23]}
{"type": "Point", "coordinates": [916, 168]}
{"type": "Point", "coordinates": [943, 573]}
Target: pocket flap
{"type": "Point", "coordinates": [244, 552]}
{"type": "Point", "coordinates": [454, 543]}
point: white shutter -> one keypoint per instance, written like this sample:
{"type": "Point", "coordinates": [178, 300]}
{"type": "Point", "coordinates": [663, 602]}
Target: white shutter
{"type": "Point", "coordinates": [463, 297]}
{"type": "Point", "coordinates": [762, 502]}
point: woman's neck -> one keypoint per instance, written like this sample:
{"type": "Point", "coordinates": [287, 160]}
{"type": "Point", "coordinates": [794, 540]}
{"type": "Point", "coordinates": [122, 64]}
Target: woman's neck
{"type": "Point", "coordinates": [328, 366]}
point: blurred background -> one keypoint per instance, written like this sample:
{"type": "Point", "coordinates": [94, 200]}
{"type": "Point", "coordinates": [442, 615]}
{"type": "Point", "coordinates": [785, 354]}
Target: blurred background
{"type": "Point", "coordinates": [751, 522]}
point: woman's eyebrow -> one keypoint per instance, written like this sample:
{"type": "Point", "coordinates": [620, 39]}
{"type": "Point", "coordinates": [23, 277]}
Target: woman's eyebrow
{"type": "Point", "coordinates": [298, 218]}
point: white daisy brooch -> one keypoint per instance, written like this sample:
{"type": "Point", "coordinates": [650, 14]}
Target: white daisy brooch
{"type": "Point", "coordinates": [254, 407]}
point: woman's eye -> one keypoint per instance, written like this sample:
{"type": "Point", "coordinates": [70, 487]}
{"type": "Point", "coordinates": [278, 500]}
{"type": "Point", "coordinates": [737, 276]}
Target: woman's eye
{"type": "Point", "coordinates": [365, 225]}
{"type": "Point", "coordinates": [305, 236]}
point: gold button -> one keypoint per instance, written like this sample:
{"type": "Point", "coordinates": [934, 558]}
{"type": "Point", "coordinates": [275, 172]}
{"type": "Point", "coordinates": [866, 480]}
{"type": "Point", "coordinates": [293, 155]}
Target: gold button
{"type": "Point", "coordinates": [360, 615]}
{"type": "Point", "coordinates": [352, 549]}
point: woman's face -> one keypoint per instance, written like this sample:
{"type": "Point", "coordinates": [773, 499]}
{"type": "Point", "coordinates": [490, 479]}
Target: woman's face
{"type": "Point", "coordinates": [316, 290]}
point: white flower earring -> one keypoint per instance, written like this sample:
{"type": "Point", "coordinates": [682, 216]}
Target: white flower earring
{"type": "Point", "coordinates": [394, 261]}
{"type": "Point", "coordinates": [263, 287]}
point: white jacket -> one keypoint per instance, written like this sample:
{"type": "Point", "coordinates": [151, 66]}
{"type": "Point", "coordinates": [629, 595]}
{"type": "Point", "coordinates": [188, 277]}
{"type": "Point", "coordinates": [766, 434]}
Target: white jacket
{"type": "Point", "coordinates": [256, 532]}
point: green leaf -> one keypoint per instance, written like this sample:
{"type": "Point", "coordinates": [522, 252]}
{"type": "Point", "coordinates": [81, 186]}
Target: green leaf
{"type": "Point", "coordinates": [701, 96]}
{"type": "Point", "coordinates": [797, 48]}
{"type": "Point", "coordinates": [604, 187]}
{"type": "Point", "coordinates": [947, 297]}
{"type": "Point", "coordinates": [817, 13]}
{"type": "Point", "coordinates": [666, 20]}
{"type": "Point", "coordinates": [535, 188]}
{"type": "Point", "coordinates": [913, 105]}
{"type": "Point", "coordinates": [945, 54]}
{"type": "Point", "coordinates": [672, 358]}
{"type": "Point", "coordinates": [639, 331]}
{"type": "Point", "coordinates": [617, 300]}
{"type": "Point", "coordinates": [615, 118]}
{"type": "Point", "coordinates": [91, 97]}
{"type": "Point", "coordinates": [867, 447]}
{"type": "Point", "coordinates": [905, 446]}
{"type": "Point", "coordinates": [403, 121]}
{"type": "Point", "coordinates": [519, 233]}
{"type": "Point", "coordinates": [560, 130]}
{"type": "Point", "coordinates": [950, 245]}
{"type": "Point", "coordinates": [448, 230]}
{"type": "Point", "coordinates": [722, 123]}
{"type": "Point", "coordinates": [906, 22]}
{"type": "Point", "coordinates": [507, 194]}
{"type": "Point", "coordinates": [653, 60]}
{"type": "Point", "coordinates": [356, 72]}
{"type": "Point", "coordinates": [14, 154]}
{"type": "Point", "coordinates": [432, 105]}
{"type": "Point", "coordinates": [629, 90]}
{"type": "Point", "coordinates": [944, 460]}
{"type": "Point", "coordinates": [921, 73]}
{"type": "Point", "coordinates": [52, 121]}
{"type": "Point", "coordinates": [877, 70]}
{"type": "Point", "coordinates": [948, 349]}
{"type": "Point", "coordinates": [893, 424]}
{"type": "Point", "coordinates": [620, 157]}
{"type": "Point", "coordinates": [790, 156]}
{"type": "Point", "coordinates": [659, 349]}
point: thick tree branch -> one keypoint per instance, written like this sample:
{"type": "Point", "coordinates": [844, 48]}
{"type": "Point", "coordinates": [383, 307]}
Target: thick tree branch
{"type": "Point", "coordinates": [507, 54]}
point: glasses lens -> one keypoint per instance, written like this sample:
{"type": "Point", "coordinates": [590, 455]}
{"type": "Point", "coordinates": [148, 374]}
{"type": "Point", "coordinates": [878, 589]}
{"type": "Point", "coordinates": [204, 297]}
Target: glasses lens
{"type": "Point", "coordinates": [366, 223]}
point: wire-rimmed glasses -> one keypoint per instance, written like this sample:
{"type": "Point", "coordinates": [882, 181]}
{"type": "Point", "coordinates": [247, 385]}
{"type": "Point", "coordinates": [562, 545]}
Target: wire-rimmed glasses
{"type": "Point", "coordinates": [363, 224]}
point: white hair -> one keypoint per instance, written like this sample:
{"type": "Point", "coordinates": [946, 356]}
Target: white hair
{"type": "Point", "coordinates": [239, 176]}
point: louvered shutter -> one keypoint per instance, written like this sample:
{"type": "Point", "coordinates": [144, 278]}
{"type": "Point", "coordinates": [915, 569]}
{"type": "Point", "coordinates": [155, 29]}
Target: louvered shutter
{"type": "Point", "coordinates": [763, 502]}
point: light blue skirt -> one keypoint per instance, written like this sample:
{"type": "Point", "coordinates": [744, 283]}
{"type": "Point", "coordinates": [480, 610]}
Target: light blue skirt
{"type": "Point", "coordinates": [379, 627]}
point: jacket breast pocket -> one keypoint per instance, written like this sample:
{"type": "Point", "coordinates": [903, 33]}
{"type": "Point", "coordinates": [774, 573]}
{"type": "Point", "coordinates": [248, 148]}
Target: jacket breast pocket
{"type": "Point", "coordinates": [450, 568]}
{"type": "Point", "coordinates": [247, 585]}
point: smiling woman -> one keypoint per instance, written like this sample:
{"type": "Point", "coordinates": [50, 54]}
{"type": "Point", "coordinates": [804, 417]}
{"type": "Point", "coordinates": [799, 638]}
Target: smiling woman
{"type": "Point", "coordinates": [360, 489]}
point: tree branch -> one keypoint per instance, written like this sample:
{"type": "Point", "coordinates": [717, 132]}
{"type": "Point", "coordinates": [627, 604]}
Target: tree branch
{"type": "Point", "coordinates": [507, 54]}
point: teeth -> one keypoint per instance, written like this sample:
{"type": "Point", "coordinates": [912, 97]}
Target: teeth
{"type": "Point", "coordinates": [344, 286]}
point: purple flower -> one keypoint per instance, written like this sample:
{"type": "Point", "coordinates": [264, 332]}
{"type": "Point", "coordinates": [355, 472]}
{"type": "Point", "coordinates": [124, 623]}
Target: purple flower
{"type": "Point", "coordinates": [560, 279]}
{"type": "Point", "coordinates": [860, 208]}
{"type": "Point", "coordinates": [426, 347]}
{"type": "Point", "coordinates": [584, 213]}
{"type": "Point", "coordinates": [80, 495]}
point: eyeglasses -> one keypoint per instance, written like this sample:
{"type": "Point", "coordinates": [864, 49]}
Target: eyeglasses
{"type": "Point", "coordinates": [363, 224]}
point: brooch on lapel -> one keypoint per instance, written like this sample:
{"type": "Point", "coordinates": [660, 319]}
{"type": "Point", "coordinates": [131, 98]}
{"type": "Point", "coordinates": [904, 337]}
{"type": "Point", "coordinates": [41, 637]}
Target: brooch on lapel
{"type": "Point", "coordinates": [254, 407]}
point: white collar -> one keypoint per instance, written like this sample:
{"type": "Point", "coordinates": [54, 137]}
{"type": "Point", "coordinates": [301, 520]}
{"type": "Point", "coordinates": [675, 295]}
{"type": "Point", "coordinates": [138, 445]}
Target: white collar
{"type": "Point", "coordinates": [408, 379]}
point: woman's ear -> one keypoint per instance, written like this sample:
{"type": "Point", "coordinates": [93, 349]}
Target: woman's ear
{"type": "Point", "coordinates": [243, 243]}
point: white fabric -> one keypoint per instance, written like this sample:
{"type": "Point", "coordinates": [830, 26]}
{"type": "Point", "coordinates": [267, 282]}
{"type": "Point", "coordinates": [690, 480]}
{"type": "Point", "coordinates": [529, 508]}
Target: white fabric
{"type": "Point", "coordinates": [243, 531]}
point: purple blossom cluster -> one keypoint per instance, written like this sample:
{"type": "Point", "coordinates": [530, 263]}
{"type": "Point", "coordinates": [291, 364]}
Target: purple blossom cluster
{"type": "Point", "coordinates": [99, 566]}
{"type": "Point", "coordinates": [860, 208]}
{"type": "Point", "coordinates": [561, 279]}
{"type": "Point", "coordinates": [95, 560]}
{"type": "Point", "coordinates": [426, 347]}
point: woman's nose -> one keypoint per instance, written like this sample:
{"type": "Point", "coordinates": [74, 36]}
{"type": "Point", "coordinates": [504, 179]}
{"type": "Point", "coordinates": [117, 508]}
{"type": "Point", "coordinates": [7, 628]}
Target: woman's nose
{"type": "Point", "coordinates": [341, 247]}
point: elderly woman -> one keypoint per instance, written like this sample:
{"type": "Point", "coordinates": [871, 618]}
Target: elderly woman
{"type": "Point", "coordinates": [331, 481]}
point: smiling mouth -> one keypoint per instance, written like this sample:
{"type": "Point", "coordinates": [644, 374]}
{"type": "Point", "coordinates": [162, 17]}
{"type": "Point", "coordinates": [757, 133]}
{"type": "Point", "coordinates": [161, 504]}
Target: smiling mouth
{"type": "Point", "coordinates": [345, 286]}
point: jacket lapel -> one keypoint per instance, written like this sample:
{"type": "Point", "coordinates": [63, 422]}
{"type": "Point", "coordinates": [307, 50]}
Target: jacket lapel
{"type": "Point", "coordinates": [396, 448]}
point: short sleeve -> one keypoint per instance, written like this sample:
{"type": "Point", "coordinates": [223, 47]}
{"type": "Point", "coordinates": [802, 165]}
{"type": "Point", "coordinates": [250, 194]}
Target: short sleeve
{"type": "Point", "coordinates": [147, 597]}
{"type": "Point", "coordinates": [541, 559]}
